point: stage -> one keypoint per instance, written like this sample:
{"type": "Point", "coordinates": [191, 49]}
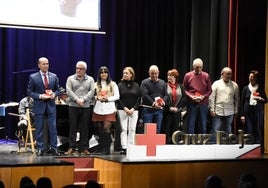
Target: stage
{"type": "Point", "coordinates": [118, 171]}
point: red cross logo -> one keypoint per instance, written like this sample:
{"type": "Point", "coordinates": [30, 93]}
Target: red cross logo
{"type": "Point", "coordinates": [150, 139]}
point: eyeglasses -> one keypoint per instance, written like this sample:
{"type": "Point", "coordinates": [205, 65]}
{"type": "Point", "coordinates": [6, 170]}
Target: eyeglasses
{"type": "Point", "coordinates": [80, 68]}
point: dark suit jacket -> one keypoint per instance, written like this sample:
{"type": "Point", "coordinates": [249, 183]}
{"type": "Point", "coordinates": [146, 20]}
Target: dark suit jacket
{"type": "Point", "coordinates": [245, 98]}
{"type": "Point", "coordinates": [180, 104]}
{"type": "Point", "coordinates": [36, 87]}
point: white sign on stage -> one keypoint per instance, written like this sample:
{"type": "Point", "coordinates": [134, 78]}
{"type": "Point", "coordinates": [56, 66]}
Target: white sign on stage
{"type": "Point", "coordinates": [194, 152]}
{"type": "Point", "coordinates": [151, 146]}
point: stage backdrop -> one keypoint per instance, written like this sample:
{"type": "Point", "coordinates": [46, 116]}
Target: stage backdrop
{"type": "Point", "coordinates": [140, 33]}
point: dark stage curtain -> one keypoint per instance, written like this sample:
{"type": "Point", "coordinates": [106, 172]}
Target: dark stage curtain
{"type": "Point", "coordinates": [139, 33]}
{"type": "Point", "coordinates": [251, 39]}
{"type": "Point", "coordinates": [172, 34]}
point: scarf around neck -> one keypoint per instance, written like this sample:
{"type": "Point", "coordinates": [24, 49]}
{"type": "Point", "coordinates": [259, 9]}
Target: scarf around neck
{"type": "Point", "coordinates": [174, 92]}
{"type": "Point", "coordinates": [252, 89]}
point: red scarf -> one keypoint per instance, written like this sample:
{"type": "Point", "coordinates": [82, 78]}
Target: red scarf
{"type": "Point", "coordinates": [174, 92]}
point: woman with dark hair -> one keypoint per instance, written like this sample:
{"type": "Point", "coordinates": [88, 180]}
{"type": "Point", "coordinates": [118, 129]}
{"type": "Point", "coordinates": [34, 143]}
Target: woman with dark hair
{"type": "Point", "coordinates": [104, 112]}
{"type": "Point", "coordinates": [128, 106]}
{"type": "Point", "coordinates": [175, 103]}
{"type": "Point", "coordinates": [252, 107]}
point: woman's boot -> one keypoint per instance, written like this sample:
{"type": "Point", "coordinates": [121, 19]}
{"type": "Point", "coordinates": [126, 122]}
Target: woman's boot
{"type": "Point", "coordinates": [107, 140]}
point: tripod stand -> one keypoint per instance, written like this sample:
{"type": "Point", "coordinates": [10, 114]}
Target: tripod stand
{"type": "Point", "coordinates": [26, 139]}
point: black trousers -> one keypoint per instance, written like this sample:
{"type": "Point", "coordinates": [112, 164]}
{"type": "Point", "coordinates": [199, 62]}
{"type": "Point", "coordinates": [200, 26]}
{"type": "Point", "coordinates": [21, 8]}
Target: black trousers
{"type": "Point", "coordinates": [79, 121]}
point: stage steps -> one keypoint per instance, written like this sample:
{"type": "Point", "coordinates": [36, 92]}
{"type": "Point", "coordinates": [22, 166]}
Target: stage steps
{"type": "Point", "coordinates": [84, 170]}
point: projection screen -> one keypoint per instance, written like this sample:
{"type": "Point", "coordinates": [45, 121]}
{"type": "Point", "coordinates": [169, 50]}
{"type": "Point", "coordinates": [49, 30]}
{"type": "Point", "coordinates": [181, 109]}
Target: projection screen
{"type": "Point", "coordinates": [73, 15]}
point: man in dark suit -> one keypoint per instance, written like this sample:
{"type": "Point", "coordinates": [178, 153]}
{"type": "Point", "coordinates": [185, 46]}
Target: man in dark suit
{"type": "Point", "coordinates": [43, 87]}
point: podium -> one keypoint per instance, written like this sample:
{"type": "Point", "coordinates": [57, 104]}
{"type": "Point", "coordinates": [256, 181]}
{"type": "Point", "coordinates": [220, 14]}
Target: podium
{"type": "Point", "coordinates": [2, 111]}
{"type": "Point", "coordinates": [7, 125]}
{"type": "Point", "coordinates": [4, 105]}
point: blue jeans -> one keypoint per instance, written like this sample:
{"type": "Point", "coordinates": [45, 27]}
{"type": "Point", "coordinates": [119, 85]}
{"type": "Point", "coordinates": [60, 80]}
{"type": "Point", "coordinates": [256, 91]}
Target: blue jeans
{"type": "Point", "coordinates": [197, 112]}
{"type": "Point", "coordinates": [221, 123]}
{"type": "Point", "coordinates": [150, 115]}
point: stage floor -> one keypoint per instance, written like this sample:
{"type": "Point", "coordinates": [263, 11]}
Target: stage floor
{"type": "Point", "coordinates": [121, 167]}
{"type": "Point", "coordinates": [9, 155]}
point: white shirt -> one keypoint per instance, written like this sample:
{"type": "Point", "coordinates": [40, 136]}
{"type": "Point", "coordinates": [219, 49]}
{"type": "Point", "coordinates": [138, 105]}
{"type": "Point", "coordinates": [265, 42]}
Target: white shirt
{"type": "Point", "coordinates": [108, 107]}
{"type": "Point", "coordinates": [224, 99]}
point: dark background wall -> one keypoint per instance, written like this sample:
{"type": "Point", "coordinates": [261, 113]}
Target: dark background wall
{"type": "Point", "coordinates": [139, 33]}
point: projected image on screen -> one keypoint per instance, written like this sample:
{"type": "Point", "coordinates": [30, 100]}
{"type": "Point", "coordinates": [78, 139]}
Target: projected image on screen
{"type": "Point", "coordinates": [54, 14]}
{"type": "Point", "coordinates": [69, 7]}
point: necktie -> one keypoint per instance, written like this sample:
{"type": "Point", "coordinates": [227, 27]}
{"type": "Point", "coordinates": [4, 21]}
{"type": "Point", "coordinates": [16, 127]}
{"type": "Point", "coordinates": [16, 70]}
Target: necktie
{"type": "Point", "coordinates": [45, 81]}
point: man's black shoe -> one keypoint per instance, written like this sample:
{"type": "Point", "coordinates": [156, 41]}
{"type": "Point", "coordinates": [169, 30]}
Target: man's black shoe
{"type": "Point", "coordinates": [54, 152]}
{"type": "Point", "coordinates": [40, 153]}
{"type": "Point", "coordinates": [46, 151]}
{"type": "Point", "coordinates": [123, 152]}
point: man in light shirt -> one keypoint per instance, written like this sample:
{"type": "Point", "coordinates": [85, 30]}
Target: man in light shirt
{"type": "Point", "coordinates": [80, 90]}
{"type": "Point", "coordinates": [223, 103]}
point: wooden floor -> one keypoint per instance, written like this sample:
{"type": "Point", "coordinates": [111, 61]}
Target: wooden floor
{"type": "Point", "coordinates": [118, 172]}
{"type": "Point", "coordinates": [14, 165]}
{"type": "Point", "coordinates": [182, 174]}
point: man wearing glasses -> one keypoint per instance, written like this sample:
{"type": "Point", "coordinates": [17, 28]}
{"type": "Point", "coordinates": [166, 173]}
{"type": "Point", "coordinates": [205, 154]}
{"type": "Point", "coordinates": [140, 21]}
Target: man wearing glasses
{"type": "Point", "coordinates": [80, 90]}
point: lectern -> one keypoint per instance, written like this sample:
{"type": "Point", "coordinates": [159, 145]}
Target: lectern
{"type": "Point", "coordinates": [3, 114]}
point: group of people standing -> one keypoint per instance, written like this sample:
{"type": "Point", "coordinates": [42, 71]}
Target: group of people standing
{"type": "Point", "coordinates": [218, 102]}
{"type": "Point", "coordinates": [81, 90]}
{"type": "Point", "coordinates": [161, 102]}
{"type": "Point", "coordinates": [221, 99]}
